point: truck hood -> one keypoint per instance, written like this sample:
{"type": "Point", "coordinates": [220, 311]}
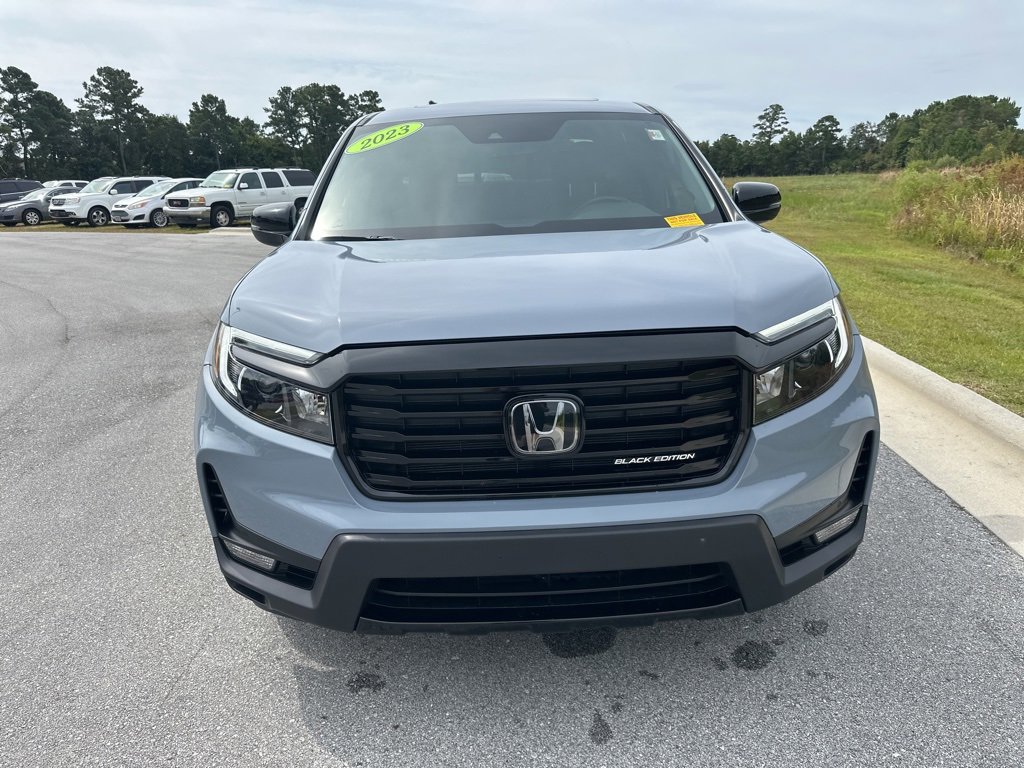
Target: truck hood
{"type": "Point", "coordinates": [326, 295]}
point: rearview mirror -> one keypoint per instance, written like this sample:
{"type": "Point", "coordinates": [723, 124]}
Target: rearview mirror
{"type": "Point", "coordinates": [272, 224]}
{"type": "Point", "coordinates": [757, 200]}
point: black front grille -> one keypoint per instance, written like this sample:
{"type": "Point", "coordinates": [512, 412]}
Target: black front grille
{"type": "Point", "coordinates": [443, 433]}
{"type": "Point", "coordinates": [550, 596]}
{"type": "Point", "coordinates": [177, 202]}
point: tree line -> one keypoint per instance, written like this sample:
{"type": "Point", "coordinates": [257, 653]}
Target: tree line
{"type": "Point", "coordinates": [965, 130]}
{"type": "Point", "coordinates": [111, 132]}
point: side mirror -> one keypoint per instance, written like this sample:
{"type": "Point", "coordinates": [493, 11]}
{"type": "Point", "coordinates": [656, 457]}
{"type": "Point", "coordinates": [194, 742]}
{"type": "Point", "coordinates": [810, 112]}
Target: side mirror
{"type": "Point", "coordinates": [272, 224]}
{"type": "Point", "coordinates": [114, 191]}
{"type": "Point", "coordinates": [757, 200]}
{"type": "Point", "coordinates": [243, 185]}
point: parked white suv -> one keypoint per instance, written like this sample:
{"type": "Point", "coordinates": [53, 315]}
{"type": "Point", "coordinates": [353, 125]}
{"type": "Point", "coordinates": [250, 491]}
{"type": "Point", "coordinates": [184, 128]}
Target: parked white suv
{"type": "Point", "coordinates": [94, 202]}
{"type": "Point", "coordinates": [76, 183]}
{"type": "Point", "coordinates": [147, 207]}
{"type": "Point", "coordinates": [232, 194]}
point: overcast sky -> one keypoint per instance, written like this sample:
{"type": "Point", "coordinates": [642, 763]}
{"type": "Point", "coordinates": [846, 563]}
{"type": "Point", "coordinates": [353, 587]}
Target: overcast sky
{"type": "Point", "coordinates": [712, 65]}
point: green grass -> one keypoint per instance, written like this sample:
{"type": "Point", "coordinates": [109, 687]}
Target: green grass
{"type": "Point", "coordinates": [962, 319]}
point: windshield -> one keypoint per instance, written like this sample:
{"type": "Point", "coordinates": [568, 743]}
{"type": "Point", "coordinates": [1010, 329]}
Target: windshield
{"type": "Point", "coordinates": [156, 189]}
{"type": "Point", "coordinates": [37, 194]}
{"type": "Point", "coordinates": [97, 185]}
{"type": "Point", "coordinates": [220, 180]}
{"type": "Point", "coordinates": [512, 174]}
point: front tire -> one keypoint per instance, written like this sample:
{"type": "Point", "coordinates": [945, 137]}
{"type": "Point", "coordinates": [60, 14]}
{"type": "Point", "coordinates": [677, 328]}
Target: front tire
{"type": "Point", "coordinates": [31, 217]}
{"type": "Point", "coordinates": [158, 218]}
{"type": "Point", "coordinates": [221, 216]}
{"type": "Point", "coordinates": [98, 217]}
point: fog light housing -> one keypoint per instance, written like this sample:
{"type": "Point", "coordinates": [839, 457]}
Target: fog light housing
{"type": "Point", "coordinates": [832, 530]}
{"type": "Point", "coordinates": [249, 556]}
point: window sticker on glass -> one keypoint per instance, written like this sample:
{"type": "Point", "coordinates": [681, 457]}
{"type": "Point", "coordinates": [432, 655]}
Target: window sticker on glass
{"type": "Point", "coordinates": [655, 135]}
{"type": "Point", "coordinates": [684, 220]}
{"type": "Point", "coordinates": [382, 138]}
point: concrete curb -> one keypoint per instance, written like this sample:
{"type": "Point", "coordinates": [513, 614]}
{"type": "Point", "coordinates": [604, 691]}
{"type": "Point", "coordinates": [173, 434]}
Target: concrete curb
{"type": "Point", "coordinates": [963, 443]}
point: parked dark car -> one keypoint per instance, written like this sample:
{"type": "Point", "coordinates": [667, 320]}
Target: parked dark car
{"type": "Point", "coordinates": [32, 209]}
{"type": "Point", "coordinates": [14, 189]}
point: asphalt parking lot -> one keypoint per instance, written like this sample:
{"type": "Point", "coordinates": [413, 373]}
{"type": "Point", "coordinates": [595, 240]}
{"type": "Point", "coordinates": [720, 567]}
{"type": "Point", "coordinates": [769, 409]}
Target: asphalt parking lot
{"type": "Point", "coordinates": [121, 645]}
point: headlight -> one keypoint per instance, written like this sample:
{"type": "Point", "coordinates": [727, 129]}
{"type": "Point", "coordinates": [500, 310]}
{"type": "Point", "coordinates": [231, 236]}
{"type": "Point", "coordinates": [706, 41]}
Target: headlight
{"type": "Point", "coordinates": [141, 204]}
{"type": "Point", "coordinates": [267, 398]}
{"type": "Point", "coordinates": [201, 200]}
{"type": "Point", "coordinates": [71, 200]}
{"type": "Point", "coordinates": [807, 374]}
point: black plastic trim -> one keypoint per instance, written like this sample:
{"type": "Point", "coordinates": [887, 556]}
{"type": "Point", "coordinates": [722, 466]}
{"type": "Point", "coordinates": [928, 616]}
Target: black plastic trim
{"type": "Point", "coordinates": [454, 354]}
{"type": "Point", "coordinates": [354, 561]}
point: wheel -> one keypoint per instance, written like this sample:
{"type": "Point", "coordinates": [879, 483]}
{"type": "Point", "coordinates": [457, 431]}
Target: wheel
{"type": "Point", "coordinates": [98, 217]}
{"type": "Point", "coordinates": [31, 217]}
{"type": "Point", "coordinates": [158, 218]}
{"type": "Point", "coordinates": [221, 216]}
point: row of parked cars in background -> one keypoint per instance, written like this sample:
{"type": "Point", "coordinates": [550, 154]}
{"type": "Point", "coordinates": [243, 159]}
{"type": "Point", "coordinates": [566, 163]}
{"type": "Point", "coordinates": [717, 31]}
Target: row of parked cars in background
{"type": "Point", "coordinates": [151, 201]}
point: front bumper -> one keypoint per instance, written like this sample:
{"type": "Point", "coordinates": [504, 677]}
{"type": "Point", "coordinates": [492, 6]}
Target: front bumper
{"type": "Point", "coordinates": [292, 499]}
{"type": "Point", "coordinates": [124, 216]}
{"type": "Point", "coordinates": [65, 214]}
{"type": "Point", "coordinates": [193, 215]}
{"type": "Point", "coordinates": [748, 576]}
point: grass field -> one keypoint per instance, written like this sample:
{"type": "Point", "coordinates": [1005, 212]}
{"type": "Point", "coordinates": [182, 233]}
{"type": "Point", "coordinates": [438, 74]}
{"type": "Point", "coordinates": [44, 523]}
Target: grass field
{"type": "Point", "coordinates": [962, 319]}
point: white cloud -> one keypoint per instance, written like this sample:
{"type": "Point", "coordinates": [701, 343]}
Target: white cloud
{"type": "Point", "coordinates": [713, 66]}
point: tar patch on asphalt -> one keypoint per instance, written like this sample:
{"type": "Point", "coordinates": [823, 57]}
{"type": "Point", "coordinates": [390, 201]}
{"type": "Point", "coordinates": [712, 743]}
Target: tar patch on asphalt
{"type": "Point", "coordinates": [600, 731]}
{"type": "Point", "coordinates": [582, 642]}
{"type": "Point", "coordinates": [366, 681]}
{"type": "Point", "coordinates": [753, 654]}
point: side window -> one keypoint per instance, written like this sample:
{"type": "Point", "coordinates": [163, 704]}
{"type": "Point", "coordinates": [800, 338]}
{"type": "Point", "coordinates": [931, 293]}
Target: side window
{"type": "Point", "coordinates": [121, 187]}
{"type": "Point", "coordinates": [272, 179]}
{"type": "Point", "coordinates": [7, 187]}
{"type": "Point", "coordinates": [180, 186]}
{"type": "Point", "coordinates": [141, 184]}
{"type": "Point", "coordinates": [27, 186]}
{"type": "Point", "coordinates": [252, 179]}
{"type": "Point", "coordinates": [299, 178]}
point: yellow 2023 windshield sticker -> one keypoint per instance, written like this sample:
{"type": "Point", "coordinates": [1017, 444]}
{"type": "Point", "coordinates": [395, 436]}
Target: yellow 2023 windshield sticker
{"type": "Point", "coordinates": [382, 138]}
{"type": "Point", "coordinates": [684, 220]}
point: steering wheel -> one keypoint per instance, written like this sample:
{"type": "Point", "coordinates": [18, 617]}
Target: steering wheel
{"type": "Point", "coordinates": [598, 200]}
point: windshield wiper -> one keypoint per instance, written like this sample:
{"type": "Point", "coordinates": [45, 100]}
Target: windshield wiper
{"type": "Point", "coordinates": [359, 238]}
